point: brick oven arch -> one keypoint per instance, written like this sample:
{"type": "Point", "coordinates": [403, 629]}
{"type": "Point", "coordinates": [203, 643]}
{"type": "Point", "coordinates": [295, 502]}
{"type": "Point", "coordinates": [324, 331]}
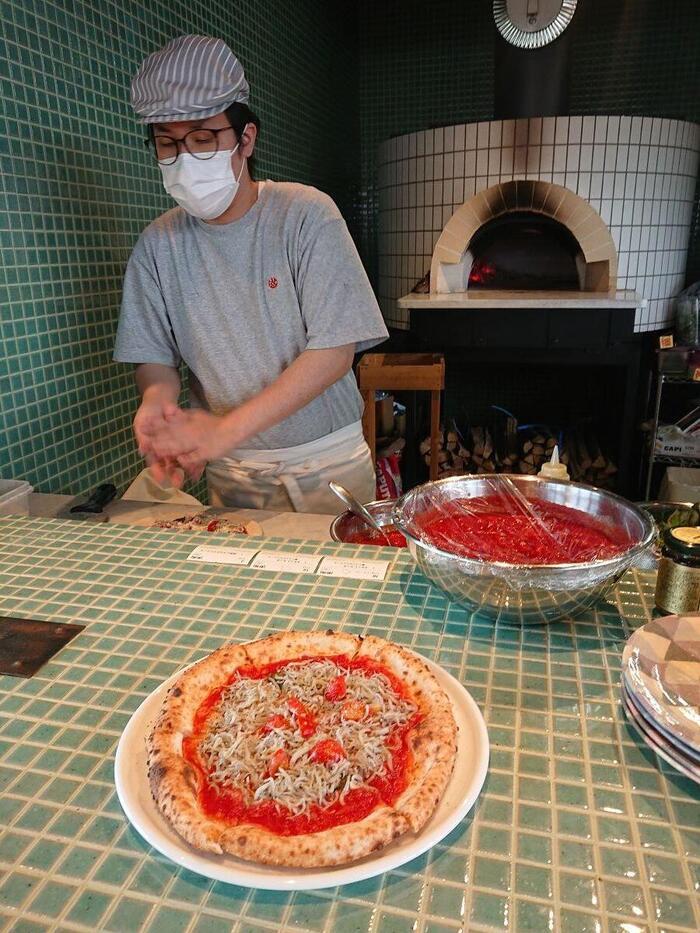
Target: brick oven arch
{"type": "Point", "coordinates": [598, 257]}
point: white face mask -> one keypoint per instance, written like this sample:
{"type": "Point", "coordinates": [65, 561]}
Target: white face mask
{"type": "Point", "coordinates": [205, 188]}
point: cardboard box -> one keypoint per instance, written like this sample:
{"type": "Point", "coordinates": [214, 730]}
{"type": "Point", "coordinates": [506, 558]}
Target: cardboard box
{"type": "Point", "coordinates": [680, 484]}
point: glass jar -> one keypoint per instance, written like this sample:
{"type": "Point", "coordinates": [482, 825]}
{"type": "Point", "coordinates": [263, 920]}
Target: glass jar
{"type": "Point", "coordinates": [678, 581]}
{"type": "Point", "coordinates": [687, 321]}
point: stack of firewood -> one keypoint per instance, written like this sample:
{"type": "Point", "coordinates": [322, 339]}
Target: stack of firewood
{"type": "Point", "coordinates": [586, 461]}
{"type": "Point", "coordinates": [453, 457]}
{"type": "Point", "coordinates": [458, 455]}
{"type": "Point", "coordinates": [507, 441]}
{"type": "Point", "coordinates": [501, 448]}
{"type": "Point", "coordinates": [473, 452]}
{"type": "Point", "coordinates": [537, 450]}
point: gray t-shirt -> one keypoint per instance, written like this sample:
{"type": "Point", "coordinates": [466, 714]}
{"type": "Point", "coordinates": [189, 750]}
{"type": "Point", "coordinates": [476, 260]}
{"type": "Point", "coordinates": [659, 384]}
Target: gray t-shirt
{"type": "Point", "coordinates": [239, 302]}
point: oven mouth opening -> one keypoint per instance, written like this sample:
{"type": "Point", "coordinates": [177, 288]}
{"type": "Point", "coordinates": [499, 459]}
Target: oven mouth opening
{"type": "Point", "coordinates": [525, 251]}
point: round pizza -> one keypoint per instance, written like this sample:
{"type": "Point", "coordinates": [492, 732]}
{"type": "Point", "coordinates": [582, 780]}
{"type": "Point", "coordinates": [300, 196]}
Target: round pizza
{"type": "Point", "coordinates": [304, 748]}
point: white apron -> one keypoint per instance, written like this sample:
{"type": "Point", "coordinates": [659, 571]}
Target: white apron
{"type": "Point", "coordinates": [295, 479]}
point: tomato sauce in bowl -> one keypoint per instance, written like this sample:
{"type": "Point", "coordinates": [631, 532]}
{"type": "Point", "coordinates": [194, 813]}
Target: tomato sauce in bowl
{"type": "Point", "coordinates": [351, 529]}
{"type": "Point", "coordinates": [367, 535]}
{"type": "Point", "coordinates": [496, 529]}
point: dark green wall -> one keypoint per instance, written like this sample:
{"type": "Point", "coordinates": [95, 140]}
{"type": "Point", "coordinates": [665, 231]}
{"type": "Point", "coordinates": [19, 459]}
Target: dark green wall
{"type": "Point", "coordinates": [638, 57]}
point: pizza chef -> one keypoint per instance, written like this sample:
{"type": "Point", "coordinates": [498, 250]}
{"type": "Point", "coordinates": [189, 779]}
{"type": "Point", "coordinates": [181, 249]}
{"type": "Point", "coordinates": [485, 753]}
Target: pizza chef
{"type": "Point", "coordinates": [257, 287]}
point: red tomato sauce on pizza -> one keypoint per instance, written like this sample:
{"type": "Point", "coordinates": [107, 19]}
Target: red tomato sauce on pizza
{"type": "Point", "coordinates": [230, 803]}
{"type": "Point", "coordinates": [492, 528]}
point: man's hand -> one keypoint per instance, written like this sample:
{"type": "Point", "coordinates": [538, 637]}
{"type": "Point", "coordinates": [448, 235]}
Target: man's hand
{"type": "Point", "coordinates": [191, 438]}
{"type": "Point", "coordinates": [149, 417]}
{"type": "Point", "coordinates": [167, 435]}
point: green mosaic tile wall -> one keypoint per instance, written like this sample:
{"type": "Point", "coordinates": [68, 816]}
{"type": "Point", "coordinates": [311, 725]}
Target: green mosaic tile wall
{"type": "Point", "coordinates": [77, 187]}
{"type": "Point", "coordinates": [432, 64]}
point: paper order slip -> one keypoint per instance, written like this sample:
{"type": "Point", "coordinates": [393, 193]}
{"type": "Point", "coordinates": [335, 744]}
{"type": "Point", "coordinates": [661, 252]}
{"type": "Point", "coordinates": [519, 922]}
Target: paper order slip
{"type": "Point", "coordinates": [291, 562]}
{"type": "Point", "coordinates": [285, 562]}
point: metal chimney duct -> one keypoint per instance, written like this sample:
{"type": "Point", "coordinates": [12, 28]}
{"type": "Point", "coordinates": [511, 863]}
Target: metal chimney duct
{"type": "Point", "coordinates": [532, 57]}
{"type": "Point", "coordinates": [532, 82]}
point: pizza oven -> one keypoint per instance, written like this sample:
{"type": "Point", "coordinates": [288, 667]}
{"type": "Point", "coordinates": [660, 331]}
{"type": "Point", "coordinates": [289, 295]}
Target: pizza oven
{"type": "Point", "coordinates": [524, 251]}
{"type": "Point", "coordinates": [608, 196]}
{"type": "Point", "coordinates": [524, 236]}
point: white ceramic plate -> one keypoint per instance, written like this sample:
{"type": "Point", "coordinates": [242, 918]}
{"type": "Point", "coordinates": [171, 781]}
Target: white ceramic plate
{"type": "Point", "coordinates": [656, 742]}
{"type": "Point", "coordinates": [465, 784]}
{"type": "Point", "coordinates": [661, 667]}
{"type": "Point", "coordinates": [657, 726]}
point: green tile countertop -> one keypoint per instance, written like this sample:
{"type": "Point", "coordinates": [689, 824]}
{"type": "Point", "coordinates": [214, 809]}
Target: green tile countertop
{"type": "Point", "coordinates": [579, 827]}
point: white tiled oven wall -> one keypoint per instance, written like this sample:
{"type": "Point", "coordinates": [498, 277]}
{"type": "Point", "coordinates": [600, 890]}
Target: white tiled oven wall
{"type": "Point", "coordinates": [639, 173]}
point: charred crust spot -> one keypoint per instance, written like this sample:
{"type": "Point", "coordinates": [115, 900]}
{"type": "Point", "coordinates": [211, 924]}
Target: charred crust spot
{"type": "Point", "coordinates": [329, 631]}
{"type": "Point", "coordinates": [242, 841]}
{"type": "Point", "coordinates": [190, 777]}
{"type": "Point", "coordinates": [158, 772]}
{"type": "Point", "coordinates": [177, 692]}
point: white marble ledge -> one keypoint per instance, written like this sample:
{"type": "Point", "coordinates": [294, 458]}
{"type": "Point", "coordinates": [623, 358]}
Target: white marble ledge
{"type": "Point", "coordinates": [144, 514]}
{"type": "Point", "coordinates": [497, 299]}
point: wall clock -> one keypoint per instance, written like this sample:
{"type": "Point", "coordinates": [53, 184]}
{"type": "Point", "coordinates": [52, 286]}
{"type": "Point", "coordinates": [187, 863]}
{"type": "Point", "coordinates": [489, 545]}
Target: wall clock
{"type": "Point", "coordinates": [532, 24]}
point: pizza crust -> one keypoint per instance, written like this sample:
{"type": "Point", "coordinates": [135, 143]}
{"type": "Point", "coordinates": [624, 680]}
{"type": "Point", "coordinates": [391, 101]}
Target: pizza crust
{"type": "Point", "coordinates": [345, 843]}
{"type": "Point", "coordinates": [288, 645]}
{"type": "Point", "coordinates": [174, 784]}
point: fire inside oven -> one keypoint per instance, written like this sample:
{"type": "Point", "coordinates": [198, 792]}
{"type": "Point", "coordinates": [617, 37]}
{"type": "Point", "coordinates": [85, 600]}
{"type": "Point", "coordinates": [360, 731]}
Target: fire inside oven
{"type": "Point", "coordinates": [524, 251]}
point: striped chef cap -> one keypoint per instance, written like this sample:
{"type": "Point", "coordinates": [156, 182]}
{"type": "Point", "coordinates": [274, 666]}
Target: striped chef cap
{"type": "Point", "coordinates": [190, 78]}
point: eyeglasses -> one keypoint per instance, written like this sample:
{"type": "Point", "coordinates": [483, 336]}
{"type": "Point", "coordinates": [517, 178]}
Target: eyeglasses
{"type": "Point", "coordinates": [201, 143]}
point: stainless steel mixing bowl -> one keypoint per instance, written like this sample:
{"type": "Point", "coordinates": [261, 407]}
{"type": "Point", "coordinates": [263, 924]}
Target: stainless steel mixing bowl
{"type": "Point", "coordinates": [347, 524]}
{"type": "Point", "coordinates": [523, 593]}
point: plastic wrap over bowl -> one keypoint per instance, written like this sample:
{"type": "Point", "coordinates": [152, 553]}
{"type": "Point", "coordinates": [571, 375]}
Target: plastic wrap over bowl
{"type": "Point", "coordinates": [521, 592]}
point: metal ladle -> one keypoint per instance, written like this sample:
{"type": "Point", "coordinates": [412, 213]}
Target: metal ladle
{"type": "Point", "coordinates": [357, 508]}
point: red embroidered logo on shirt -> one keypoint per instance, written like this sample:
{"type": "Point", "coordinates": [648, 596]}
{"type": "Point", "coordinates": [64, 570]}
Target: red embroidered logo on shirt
{"type": "Point", "coordinates": [272, 282]}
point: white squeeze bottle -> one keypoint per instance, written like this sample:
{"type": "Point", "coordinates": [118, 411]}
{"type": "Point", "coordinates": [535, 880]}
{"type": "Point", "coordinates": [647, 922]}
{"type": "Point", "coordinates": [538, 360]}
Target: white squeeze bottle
{"type": "Point", "coordinates": [554, 469]}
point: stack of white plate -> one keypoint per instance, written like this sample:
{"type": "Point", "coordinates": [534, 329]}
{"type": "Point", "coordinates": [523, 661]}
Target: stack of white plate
{"type": "Point", "coordinates": [661, 689]}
